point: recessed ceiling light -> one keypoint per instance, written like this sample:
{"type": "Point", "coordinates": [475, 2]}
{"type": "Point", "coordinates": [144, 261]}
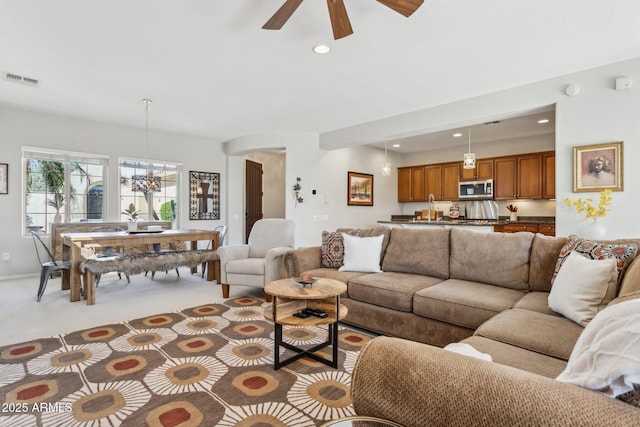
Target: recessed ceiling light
{"type": "Point", "coordinates": [396, 145]}
{"type": "Point", "coordinates": [321, 48]}
{"type": "Point", "coordinates": [541, 121]}
{"type": "Point", "coordinates": [457, 135]}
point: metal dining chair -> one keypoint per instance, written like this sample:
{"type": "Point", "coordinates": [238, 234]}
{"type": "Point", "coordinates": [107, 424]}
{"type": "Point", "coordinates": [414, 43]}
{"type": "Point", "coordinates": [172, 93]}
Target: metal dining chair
{"type": "Point", "coordinates": [48, 266]}
{"type": "Point", "coordinates": [222, 229]}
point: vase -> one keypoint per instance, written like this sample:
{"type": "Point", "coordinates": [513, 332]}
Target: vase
{"type": "Point", "coordinates": [594, 230]}
{"type": "Point", "coordinates": [132, 226]}
{"type": "Point", "coordinates": [513, 216]}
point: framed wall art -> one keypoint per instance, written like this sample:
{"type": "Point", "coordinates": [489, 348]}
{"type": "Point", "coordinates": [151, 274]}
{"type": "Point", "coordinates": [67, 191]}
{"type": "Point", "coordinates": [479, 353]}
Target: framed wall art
{"type": "Point", "coordinates": [4, 178]}
{"type": "Point", "coordinates": [598, 167]}
{"type": "Point", "coordinates": [359, 189]}
{"type": "Point", "coordinates": [204, 195]}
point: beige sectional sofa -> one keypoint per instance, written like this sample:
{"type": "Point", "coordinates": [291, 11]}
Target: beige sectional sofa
{"type": "Point", "coordinates": [441, 286]}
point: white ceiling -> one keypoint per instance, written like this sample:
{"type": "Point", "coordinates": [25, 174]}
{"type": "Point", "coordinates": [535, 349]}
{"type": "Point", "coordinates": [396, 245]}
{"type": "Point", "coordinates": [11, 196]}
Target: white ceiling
{"type": "Point", "coordinates": [212, 72]}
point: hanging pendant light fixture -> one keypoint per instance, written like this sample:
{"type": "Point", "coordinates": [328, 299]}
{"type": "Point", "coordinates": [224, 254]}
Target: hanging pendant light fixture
{"type": "Point", "coordinates": [148, 183]}
{"type": "Point", "coordinates": [469, 157]}
{"type": "Point", "coordinates": [386, 166]}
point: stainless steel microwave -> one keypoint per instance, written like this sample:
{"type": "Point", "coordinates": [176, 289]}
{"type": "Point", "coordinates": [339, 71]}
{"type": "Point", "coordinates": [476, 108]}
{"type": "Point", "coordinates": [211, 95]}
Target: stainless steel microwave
{"type": "Point", "coordinates": [475, 189]}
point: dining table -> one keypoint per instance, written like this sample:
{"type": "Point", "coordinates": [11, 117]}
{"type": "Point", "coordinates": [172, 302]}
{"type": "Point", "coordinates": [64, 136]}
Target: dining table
{"type": "Point", "coordinates": [73, 244]}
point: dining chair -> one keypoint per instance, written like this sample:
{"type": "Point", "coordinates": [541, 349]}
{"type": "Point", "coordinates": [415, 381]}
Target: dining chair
{"type": "Point", "coordinates": [156, 248]}
{"type": "Point", "coordinates": [107, 251]}
{"type": "Point", "coordinates": [222, 229]}
{"type": "Point", "coordinates": [48, 265]}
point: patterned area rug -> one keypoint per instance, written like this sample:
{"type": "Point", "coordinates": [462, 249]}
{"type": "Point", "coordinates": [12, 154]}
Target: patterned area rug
{"type": "Point", "coordinates": [210, 365]}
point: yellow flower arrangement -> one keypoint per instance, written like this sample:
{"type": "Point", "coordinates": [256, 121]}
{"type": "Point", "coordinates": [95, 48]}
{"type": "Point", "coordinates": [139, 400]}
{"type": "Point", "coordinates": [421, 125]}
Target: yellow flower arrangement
{"type": "Point", "coordinates": [586, 205]}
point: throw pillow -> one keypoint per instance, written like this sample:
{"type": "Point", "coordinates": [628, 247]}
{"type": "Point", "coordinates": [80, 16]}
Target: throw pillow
{"type": "Point", "coordinates": [606, 357]}
{"type": "Point", "coordinates": [580, 288]}
{"type": "Point", "coordinates": [333, 248]}
{"type": "Point", "coordinates": [623, 254]}
{"type": "Point", "coordinates": [362, 253]}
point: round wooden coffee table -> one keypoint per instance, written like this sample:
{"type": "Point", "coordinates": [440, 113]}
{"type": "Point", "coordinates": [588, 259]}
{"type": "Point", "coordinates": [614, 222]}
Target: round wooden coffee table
{"type": "Point", "coordinates": [290, 297]}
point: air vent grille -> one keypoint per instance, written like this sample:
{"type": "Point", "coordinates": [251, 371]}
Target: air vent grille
{"type": "Point", "coordinates": [16, 78]}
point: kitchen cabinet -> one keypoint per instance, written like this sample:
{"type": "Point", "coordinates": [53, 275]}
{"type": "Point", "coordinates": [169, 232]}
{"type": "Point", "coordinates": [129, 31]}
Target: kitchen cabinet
{"type": "Point", "coordinates": [518, 177]}
{"type": "Point", "coordinates": [549, 175]}
{"type": "Point", "coordinates": [514, 227]}
{"type": "Point", "coordinates": [411, 184]}
{"type": "Point", "coordinates": [433, 181]}
{"type": "Point", "coordinates": [450, 179]}
{"type": "Point", "coordinates": [483, 170]}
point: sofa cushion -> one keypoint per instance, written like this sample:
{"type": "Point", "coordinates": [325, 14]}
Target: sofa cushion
{"type": "Point", "coordinates": [624, 253]}
{"type": "Point", "coordinates": [544, 255]}
{"type": "Point", "coordinates": [463, 303]}
{"type": "Point", "coordinates": [380, 230]}
{"type": "Point", "coordinates": [333, 248]}
{"type": "Point", "coordinates": [389, 289]}
{"type": "Point", "coordinates": [418, 251]}
{"type": "Point", "coordinates": [582, 287]}
{"type": "Point", "coordinates": [362, 253]}
{"type": "Point", "coordinates": [500, 259]}
{"type": "Point", "coordinates": [333, 273]}
{"type": "Point", "coordinates": [606, 357]}
{"type": "Point", "coordinates": [536, 301]}
{"type": "Point", "coordinates": [510, 355]}
{"type": "Point", "coordinates": [554, 336]}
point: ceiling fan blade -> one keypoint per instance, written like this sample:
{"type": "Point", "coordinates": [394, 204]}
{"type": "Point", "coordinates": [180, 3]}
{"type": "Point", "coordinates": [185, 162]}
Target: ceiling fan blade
{"type": "Point", "coordinates": [339, 19]}
{"type": "Point", "coordinates": [282, 15]}
{"type": "Point", "coordinates": [404, 7]}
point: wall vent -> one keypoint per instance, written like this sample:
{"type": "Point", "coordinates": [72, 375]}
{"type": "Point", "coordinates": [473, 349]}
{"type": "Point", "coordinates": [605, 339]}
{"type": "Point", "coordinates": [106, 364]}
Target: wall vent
{"type": "Point", "coordinates": [16, 78]}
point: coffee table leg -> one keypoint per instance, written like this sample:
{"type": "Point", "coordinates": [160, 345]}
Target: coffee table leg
{"type": "Point", "coordinates": [276, 349]}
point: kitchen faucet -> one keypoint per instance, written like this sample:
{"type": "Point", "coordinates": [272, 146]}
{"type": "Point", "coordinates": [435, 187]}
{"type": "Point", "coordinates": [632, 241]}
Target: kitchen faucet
{"type": "Point", "coordinates": [431, 206]}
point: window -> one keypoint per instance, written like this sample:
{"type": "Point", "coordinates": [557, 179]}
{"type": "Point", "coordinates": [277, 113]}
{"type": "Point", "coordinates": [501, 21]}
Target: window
{"type": "Point", "coordinates": [62, 187]}
{"type": "Point", "coordinates": [149, 193]}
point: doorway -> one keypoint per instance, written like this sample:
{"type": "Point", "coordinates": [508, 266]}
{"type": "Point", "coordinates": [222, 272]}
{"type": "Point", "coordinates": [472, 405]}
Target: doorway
{"type": "Point", "coordinates": [253, 194]}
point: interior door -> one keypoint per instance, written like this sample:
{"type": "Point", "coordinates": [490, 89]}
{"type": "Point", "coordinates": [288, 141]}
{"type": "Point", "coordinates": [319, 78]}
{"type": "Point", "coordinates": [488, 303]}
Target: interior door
{"type": "Point", "coordinates": [253, 191]}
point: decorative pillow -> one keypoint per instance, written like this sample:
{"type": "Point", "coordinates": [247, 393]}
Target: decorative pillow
{"type": "Point", "coordinates": [606, 357]}
{"type": "Point", "coordinates": [623, 254]}
{"type": "Point", "coordinates": [362, 253]}
{"type": "Point", "coordinates": [333, 248]}
{"type": "Point", "coordinates": [580, 288]}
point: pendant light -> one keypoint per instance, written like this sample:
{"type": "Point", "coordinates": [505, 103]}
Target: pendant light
{"type": "Point", "coordinates": [386, 166]}
{"type": "Point", "coordinates": [469, 158]}
{"type": "Point", "coordinates": [147, 183]}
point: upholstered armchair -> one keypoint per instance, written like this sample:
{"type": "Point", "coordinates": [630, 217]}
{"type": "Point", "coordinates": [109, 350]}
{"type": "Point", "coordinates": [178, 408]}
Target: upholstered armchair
{"type": "Point", "coordinates": [260, 261]}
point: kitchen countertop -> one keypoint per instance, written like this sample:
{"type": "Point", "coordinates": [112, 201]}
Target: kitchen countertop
{"type": "Point", "coordinates": [486, 222]}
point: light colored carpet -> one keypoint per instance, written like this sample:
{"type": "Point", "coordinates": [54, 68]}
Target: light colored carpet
{"type": "Point", "coordinates": [23, 318]}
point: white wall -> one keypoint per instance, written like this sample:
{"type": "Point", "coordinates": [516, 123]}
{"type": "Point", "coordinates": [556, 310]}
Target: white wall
{"type": "Point", "coordinates": [597, 114]}
{"type": "Point", "coordinates": [18, 128]}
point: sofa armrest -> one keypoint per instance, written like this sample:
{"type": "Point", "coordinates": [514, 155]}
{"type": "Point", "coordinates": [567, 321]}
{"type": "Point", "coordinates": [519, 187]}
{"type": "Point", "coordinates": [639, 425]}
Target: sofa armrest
{"type": "Point", "coordinates": [274, 264]}
{"type": "Point", "coordinates": [302, 259]}
{"type": "Point", "coordinates": [416, 384]}
{"type": "Point", "coordinates": [230, 253]}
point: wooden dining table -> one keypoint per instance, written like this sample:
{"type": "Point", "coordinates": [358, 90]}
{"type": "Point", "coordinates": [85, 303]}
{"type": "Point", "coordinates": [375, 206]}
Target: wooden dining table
{"type": "Point", "coordinates": [74, 242]}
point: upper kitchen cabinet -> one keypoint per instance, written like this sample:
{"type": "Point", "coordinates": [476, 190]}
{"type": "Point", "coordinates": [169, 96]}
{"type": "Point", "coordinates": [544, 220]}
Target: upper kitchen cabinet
{"type": "Point", "coordinates": [524, 176]}
{"type": "Point", "coordinates": [549, 175]}
{"type": "Point", "coordinates": [483, 170]}
{"type": "Point", "coordinates": [411, 184]}
{"type": "Point", "coordinates": [433, 184]}
{"type": "Point", "coordinates": [450, 179]}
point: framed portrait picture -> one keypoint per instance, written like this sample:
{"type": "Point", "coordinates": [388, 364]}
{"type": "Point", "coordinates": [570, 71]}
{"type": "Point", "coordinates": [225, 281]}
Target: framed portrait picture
{"type": "Point", "coordinates": [4, 178]}
{"type": "Point", "coordinates": [359, 189]}
{"type": "Point", "coordinates": [204, 195]}
{"type": "Point", "coordinates": [598, 167]}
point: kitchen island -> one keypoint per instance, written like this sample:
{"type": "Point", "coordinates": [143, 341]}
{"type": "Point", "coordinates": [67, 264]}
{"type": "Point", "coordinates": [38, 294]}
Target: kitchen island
{"type": "Point", "coordinates": [544, 225]}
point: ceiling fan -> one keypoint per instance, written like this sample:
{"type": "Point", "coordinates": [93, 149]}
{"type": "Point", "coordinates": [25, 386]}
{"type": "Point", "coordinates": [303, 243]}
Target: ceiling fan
{"type": "Point", "coordinates": [338, 14]}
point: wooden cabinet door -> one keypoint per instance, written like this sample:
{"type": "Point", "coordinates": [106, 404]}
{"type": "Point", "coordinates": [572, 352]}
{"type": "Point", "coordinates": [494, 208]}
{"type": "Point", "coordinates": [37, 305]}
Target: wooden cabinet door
{"type": "Point", "coordinates": [483, 170]}
{"type": "Point", "coordinates": [514, 228]}
{"type": "Point", "coordinates": [547, 229]}
{"type": "Point", "coordinates": [404, 184]}
{"type": "Point", "coordinates": [504, 180]}
{"type": "Point", "coordinates": [549, 176]}
{"type": "Point", "coordinates": [529, 176]}
{"type": "Point", "coordinates": [450, 180]}
{"type": "Point", "coordinates": [433, 180]}
{"type": "Point", "coordinates": [418, 178]}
